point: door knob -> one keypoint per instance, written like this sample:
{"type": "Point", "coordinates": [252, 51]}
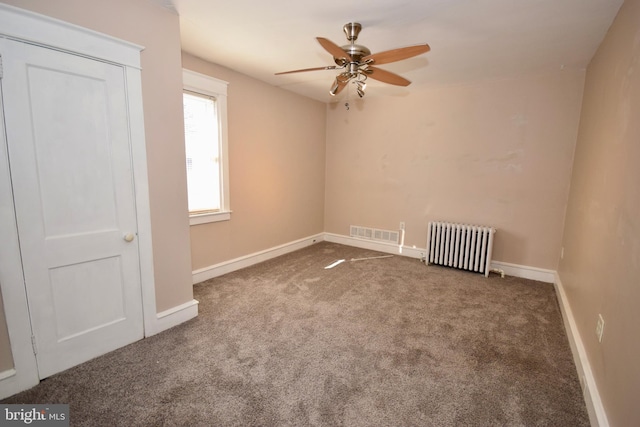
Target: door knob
{"type": "Point", "coordinates": [128, 237]}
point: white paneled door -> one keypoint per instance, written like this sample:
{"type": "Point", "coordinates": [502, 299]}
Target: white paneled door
{"type": "Point", "coordinates": [68, 140]}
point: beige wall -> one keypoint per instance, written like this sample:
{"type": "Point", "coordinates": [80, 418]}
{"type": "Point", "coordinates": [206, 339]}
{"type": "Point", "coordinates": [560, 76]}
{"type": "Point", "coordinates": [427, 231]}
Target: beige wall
{"type": "Point", "coordinates": [601, 266]}
{"type": "Point", "coordinates": [497, 153]}
{"type": "Point", "coordinates": [276, 164]}
{"type": "Point", "coordinates": [144, 23]}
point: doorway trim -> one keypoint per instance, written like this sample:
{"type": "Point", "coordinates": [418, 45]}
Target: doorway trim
{"type": "Point", "coordinates": [26, 26]}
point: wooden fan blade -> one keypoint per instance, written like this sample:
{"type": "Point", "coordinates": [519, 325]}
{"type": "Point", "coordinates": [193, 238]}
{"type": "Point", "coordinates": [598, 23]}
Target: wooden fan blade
{"type": "Point", "coordinates": [330, 67]}
{"type": "Point", "coordinates": [386, 76]}
{"type": "Point", "coordinates": [334, 49]}
{"type": "Point", "coordinates": [396, 54]}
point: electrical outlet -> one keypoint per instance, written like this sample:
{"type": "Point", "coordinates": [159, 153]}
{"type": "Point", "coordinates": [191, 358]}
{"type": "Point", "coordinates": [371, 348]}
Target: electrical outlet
{"type": "Point", "coordinates": [401, 225]}
{"type": "Point", "coordinates": [600, 328]}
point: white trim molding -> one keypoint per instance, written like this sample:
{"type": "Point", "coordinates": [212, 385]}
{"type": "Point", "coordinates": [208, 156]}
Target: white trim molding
{"type": "Point", "coordinates": [176, 315]}
{"type": "Point", "coordinates": [143, 207]}
{"type": "Point", "coordinates": [389, 248]}
{"type": "Point", "coordinates": [216, 88]}
{"type": "Point", "coordinates": [209, 217]}
{"type": "Point", "coordinates": [524, 271]}
{"type": "Point", "coordinates": [206, 273]}
{"type": "Point", "coordinates": [22, 25]}
{"type": "Point", "coordinates": [7, 374]}
{"type": "Point", "coordinates": [43, 30]}
{"type": "Point", "coordinates": [597, 414]}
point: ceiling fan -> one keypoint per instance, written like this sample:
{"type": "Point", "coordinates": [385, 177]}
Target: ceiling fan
{"type": "Point", "coordinates": [358, 62]}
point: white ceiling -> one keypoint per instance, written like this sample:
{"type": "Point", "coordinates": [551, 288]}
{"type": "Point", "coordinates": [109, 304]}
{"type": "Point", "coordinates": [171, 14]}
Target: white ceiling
{"type": "Point", "coordinates": [470, 39]}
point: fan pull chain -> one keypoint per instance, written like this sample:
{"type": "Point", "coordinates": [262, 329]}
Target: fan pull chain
{"type": "Point", "coordinates": [346, 104]}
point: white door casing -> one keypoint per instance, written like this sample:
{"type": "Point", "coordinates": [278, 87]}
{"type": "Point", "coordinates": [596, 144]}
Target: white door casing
{"type": "Point", "coordinates": [45, 32]}
{"type": "Point", "coordinates": [68, 138]}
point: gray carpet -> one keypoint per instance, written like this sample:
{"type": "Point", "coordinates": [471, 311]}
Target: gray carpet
{"type": "Point", "coordinates": [379, 342]}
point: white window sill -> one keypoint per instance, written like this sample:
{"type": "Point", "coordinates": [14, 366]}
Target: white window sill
{"type": "Point", "coordinates": [209, 217]}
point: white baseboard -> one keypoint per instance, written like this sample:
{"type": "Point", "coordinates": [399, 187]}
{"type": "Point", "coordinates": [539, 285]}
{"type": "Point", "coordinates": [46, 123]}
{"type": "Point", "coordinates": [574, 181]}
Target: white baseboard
{"type": "Point", "coordinates": [597, 414]}
{"type": "Point", "coordinates": [7, 374]}
{"type": "Point", "coordinates": [525, 272]}
{"type": "Point", "coordinates": [14, 381]}
{"type": "Point", "coordinates": [175, 316]}
{"type": "Point", "coordinates": [373, 245]}
{"type": "Point", "coordinates": [225, 267]}
{"type": "Point", "coordinates": [515, 270]}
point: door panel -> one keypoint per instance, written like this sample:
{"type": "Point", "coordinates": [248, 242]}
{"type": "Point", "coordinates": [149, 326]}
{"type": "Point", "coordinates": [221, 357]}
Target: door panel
{"type": "Point", "coordinates": [93, 284]}
{"type": "Point", "coordinates": [69, 153]}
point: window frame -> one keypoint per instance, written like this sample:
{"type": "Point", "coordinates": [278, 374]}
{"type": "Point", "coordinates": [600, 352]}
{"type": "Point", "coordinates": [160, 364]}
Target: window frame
{"type": "Point", "coordinates": [216, 88]}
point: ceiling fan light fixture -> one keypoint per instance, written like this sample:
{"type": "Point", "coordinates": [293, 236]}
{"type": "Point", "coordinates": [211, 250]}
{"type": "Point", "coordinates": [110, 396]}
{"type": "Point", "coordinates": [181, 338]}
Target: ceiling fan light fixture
{"type": "Point", "coordinates": [360, 87]}
{"type": "Point", "coordinates": [334, 88]}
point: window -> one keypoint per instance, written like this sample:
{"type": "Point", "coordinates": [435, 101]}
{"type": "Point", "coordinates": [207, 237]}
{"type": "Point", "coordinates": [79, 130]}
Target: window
{"type": "Point", "coordinates": [205, 127]}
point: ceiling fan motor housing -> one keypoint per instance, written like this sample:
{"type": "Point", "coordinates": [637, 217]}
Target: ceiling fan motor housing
{"type": "Point", "coordinates": [356, 51]}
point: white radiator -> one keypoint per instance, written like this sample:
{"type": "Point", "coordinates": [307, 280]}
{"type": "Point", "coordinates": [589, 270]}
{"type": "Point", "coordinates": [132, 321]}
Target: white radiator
{"type": "Point", "coordinates": [462, 246]}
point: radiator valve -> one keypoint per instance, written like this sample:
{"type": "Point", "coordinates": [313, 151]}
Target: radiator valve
{"type": "Point", "coordinates": [499, 271]}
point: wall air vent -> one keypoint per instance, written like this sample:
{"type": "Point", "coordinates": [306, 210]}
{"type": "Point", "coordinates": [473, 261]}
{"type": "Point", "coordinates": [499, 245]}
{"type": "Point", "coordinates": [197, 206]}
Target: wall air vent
{"type": "Point", "coordinates": [375, 234]}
